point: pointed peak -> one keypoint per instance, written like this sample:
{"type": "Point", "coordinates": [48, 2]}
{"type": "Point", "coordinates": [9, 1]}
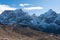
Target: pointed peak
{"type": "Point", "coordinates": [34, 15]}
{"type": "Point", "coordinates": [51, 12]}
{"type": "Point", "coordinates": [50, 9]}
{"type": "Point", "coordinates": [18, 10]}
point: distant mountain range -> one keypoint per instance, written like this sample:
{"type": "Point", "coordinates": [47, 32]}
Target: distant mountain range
{"type": "Point", "coordinates": [48, 22]}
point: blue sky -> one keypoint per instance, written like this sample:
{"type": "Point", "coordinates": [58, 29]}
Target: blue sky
{"type": "Point", "coordinates": [33, 6]}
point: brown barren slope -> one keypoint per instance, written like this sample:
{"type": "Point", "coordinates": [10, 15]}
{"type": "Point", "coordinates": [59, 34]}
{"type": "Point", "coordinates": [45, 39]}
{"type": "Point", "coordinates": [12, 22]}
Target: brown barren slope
{"type": "Point", "coordinates": [25, 34]}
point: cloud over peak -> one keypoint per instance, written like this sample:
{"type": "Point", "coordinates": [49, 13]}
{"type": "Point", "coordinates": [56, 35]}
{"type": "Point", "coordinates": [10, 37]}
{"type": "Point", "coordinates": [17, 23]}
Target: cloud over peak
{"type": "Point", "coordinates": [23, 5]}
{"type": "Point", "coordinates": [33, 8]}
{"type": "Point", "coordinates": [5, 7]}
{"type": "Point", "coordinates": [30, 6]}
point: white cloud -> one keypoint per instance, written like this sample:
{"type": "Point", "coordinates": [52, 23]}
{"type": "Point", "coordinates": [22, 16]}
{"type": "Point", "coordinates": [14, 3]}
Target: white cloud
{"type": "Point", "coordinates": [5, 7]}
{"type": "Point", "coordinates": [23, 5]}
{"type": "Point", "coordinates": [33, 8]}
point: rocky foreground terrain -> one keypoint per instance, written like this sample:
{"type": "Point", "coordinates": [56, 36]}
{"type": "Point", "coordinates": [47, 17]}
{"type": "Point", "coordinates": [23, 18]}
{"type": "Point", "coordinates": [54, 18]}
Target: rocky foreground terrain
{"type": "Point", "coordinates": [7, 32]}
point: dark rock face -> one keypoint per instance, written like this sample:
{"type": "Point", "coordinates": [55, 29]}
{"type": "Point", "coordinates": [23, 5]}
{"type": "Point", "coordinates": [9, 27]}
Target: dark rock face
{"type": "Point", "coordinates": [15, 17]}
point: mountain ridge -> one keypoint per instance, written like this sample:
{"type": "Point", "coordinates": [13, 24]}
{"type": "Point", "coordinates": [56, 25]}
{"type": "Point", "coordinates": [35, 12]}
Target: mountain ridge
{"type": "Point", "coordinates": [44, 21]}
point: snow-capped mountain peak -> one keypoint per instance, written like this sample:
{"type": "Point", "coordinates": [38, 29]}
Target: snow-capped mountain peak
{"type": "Point", "coordinates": [51, 12]}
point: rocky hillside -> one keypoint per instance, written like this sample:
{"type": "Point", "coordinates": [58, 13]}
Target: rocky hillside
{"type": "Point", "coordinates": [8, 33]}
